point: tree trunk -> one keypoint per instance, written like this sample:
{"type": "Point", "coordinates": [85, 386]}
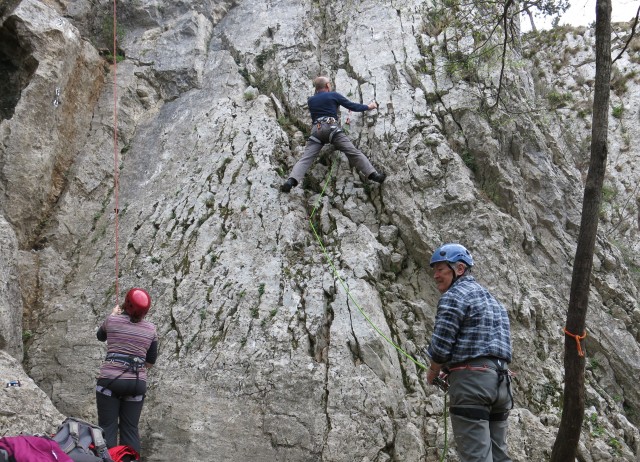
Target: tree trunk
{"type": "Point", "coordinates": [533, 24]}
{"type": "Point", "coordinates": [566, 444]}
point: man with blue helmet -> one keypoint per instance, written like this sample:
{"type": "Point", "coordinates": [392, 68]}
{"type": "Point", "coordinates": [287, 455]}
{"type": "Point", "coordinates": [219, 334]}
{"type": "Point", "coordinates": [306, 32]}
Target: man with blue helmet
{"type": "Point", "coordinates": [471, 343]}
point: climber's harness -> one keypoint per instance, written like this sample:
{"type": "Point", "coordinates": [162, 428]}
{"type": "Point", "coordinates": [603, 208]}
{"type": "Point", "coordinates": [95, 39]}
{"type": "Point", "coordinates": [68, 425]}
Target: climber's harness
{"type": "Point", "coordinates": [322, 125]}
{"type": "Point", "coordinates": [133, 363]}
{"type": "Point", "coordinates": [482, 365]}
{"type": "Point", "coordinates": [326, 119]}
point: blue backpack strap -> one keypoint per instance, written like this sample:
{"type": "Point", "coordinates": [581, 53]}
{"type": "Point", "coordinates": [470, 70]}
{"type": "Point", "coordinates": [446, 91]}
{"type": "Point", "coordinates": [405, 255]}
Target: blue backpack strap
{"type": "Point", "coordinates": [74, 431]}
{"type": "Point", "coordinates": [101, 445]}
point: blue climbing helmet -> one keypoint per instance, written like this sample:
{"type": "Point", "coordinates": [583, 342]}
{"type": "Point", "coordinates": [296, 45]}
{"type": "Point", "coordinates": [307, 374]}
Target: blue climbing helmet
{"type": "Point", "coordinates": [452, 253]}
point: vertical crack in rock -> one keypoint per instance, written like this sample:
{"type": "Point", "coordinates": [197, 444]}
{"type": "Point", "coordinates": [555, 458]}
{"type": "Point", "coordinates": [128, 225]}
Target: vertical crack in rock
{"type": "Point", "coordinates": [322, 340]}
{"type": "Point", "coordinates": [395, 337]}
{"type": "Point", "coordinates": [354, 345]}
{"type": "Point", "coordinates": [174, 322]}
{"type": "Point", "coordinates": [325, 406]}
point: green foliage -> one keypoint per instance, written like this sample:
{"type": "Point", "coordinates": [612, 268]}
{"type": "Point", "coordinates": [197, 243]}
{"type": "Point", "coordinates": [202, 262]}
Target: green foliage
{"type": "Point", "coordinates": [367, 189]}
{"type": "Point", "coordinates": [109, 58]}
{"type": "Point", "coordinates": [26, 335]}
{"type": "Point", "coordinates": [423, 67]}
{"type": "Point", "coordinates": [553, 8]}
{"type": "Point", "coordinates": [105, 37]}
{"type": "Point", "coordinates": [249, 95]}
{"type": "Point", "coordinates": [265, 56]}
{"type": "Point", "coordinates": [617, 111]}
{"type": "Point", "coordinates": [462, 66]}
{"type": "Point", "coordinates": [629, 411]}
{"type": "Point", "coordinates": [491, 25]}
{"type": "Point", "coordinates": [491, 188]}
{"type": "Point", "coordinates": [619, 80]}
{"type": "Point", "coordinates": [284, 122]}
{"type": "Point", "coordinates": [597, 429]}
{"type": "Point", "coordinates": [582, 113]}
{"type": "Point", "coordinates": [608, 193]}
{"type": "Point", "coordinates": [469, 160]}
{"type": "Point", "coordinates": [557, 99]}
{"type": "Point", "coordinates": [616, 447]}
{"type": "Point", "coordinates": [548, 391]}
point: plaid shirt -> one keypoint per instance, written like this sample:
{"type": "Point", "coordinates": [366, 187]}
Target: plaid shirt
{"type": "Point", "coordinates": [470, 323]}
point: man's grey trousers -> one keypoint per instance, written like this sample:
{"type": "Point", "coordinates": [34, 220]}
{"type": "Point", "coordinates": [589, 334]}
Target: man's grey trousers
{"type": "Point", "coordinates": [323, 135]}
{"type": "Point", "coordinates": [480, 403]}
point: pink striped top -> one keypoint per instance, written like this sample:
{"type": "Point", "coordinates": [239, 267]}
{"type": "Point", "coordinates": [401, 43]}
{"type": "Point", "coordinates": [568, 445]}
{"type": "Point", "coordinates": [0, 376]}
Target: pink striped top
{"type": "Point", "coordinates": [126, 338]}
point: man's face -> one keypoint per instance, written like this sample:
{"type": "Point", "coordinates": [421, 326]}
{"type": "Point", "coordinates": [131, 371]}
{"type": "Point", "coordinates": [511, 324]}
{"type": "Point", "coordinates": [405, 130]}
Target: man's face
{"type": "Point", "coordinates": [443, 275]}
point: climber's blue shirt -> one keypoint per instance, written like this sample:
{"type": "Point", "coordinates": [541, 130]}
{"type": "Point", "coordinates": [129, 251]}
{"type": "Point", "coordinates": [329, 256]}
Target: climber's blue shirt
{"type": "Point", "coordinates": [470, 323]}
{"type": "Point", "coordinates": [325, 104]}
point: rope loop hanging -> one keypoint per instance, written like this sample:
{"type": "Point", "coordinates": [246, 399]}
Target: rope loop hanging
{"type": "Point", "coordinates": [577, 339]}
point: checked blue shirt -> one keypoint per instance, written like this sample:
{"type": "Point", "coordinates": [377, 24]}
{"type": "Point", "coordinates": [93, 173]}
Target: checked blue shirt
{"type": "Point", "coordinates": [470, 323]}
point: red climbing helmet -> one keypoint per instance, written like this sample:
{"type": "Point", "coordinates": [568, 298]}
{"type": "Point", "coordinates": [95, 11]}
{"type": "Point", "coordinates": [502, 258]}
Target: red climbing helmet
{"type": "Point", "coordinates": [137, 303]}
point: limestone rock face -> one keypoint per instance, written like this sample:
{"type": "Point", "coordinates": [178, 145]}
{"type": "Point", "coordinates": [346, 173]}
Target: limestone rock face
{"type": "Point", "coordinates": [54, 79]}
{"type": "Point", "coordinates": [10, 297]}
{"type": "Point", "coordinates": [266, 352]}
{"type": "Point", "coordinates": [24, 408]}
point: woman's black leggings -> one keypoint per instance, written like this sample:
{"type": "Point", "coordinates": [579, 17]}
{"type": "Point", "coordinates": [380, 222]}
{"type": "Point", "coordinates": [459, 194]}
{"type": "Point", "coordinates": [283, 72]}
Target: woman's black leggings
{"type": "Point", "coordinates": [121, 410]}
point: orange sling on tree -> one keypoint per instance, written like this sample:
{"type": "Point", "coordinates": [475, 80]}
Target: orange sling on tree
{"type": "Point", "coordinates": [577, 339]}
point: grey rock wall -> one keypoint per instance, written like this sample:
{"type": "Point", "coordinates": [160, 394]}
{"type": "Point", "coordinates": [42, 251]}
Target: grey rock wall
{"type": "Point", "coordinates": [24, 407]}
{"type": "Point", "coordinates": [10, 297]}
{"type": "Point", "coordinates": [264, 355]}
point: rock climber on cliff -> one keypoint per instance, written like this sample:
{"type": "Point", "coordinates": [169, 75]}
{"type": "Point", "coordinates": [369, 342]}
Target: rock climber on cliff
{"type": "Point", "coordinates": [132, 349]}
{"type": "Point", "coordinates": [471, 342]}
{"type": "Point", "coordinates": [323, 106]}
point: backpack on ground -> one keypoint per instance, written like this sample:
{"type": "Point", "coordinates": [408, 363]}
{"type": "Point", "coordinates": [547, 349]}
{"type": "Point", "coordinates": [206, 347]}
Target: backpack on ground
{"type": "Point", "coordinates": [31, 448]}
{"type": "Point", "coordinates": [83, 441]}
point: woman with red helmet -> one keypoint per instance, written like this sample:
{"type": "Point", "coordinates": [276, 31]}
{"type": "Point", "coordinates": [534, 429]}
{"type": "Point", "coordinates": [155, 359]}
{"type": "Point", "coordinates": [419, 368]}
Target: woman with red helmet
{"type": "Point", "coordinates": [132, 349]}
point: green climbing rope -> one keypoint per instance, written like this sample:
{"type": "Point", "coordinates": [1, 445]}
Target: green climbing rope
{"type": "Point", "coordinates": [355, 302]}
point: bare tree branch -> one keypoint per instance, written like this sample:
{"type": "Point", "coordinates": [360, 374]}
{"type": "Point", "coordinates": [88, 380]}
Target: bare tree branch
{"type": "Point", "coordinates": [504, 49]}
{"type": "Point", "coordinates": [633, 32]}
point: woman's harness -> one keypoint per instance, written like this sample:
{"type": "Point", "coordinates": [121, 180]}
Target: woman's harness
{"type": "Point", "coordinates": [133, 363]}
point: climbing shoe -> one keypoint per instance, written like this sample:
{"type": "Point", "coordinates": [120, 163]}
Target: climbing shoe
{"type": "Point", "coordinates": [377, 177]}
{"type": "Point", "coordinates": [287, 185]}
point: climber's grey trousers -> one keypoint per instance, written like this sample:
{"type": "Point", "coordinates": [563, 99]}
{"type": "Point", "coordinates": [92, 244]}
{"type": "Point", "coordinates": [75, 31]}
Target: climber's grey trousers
{"type": "Point", "coordinates": [340, 141]}
{"type": "Point", "coordinates": [479, 409]}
